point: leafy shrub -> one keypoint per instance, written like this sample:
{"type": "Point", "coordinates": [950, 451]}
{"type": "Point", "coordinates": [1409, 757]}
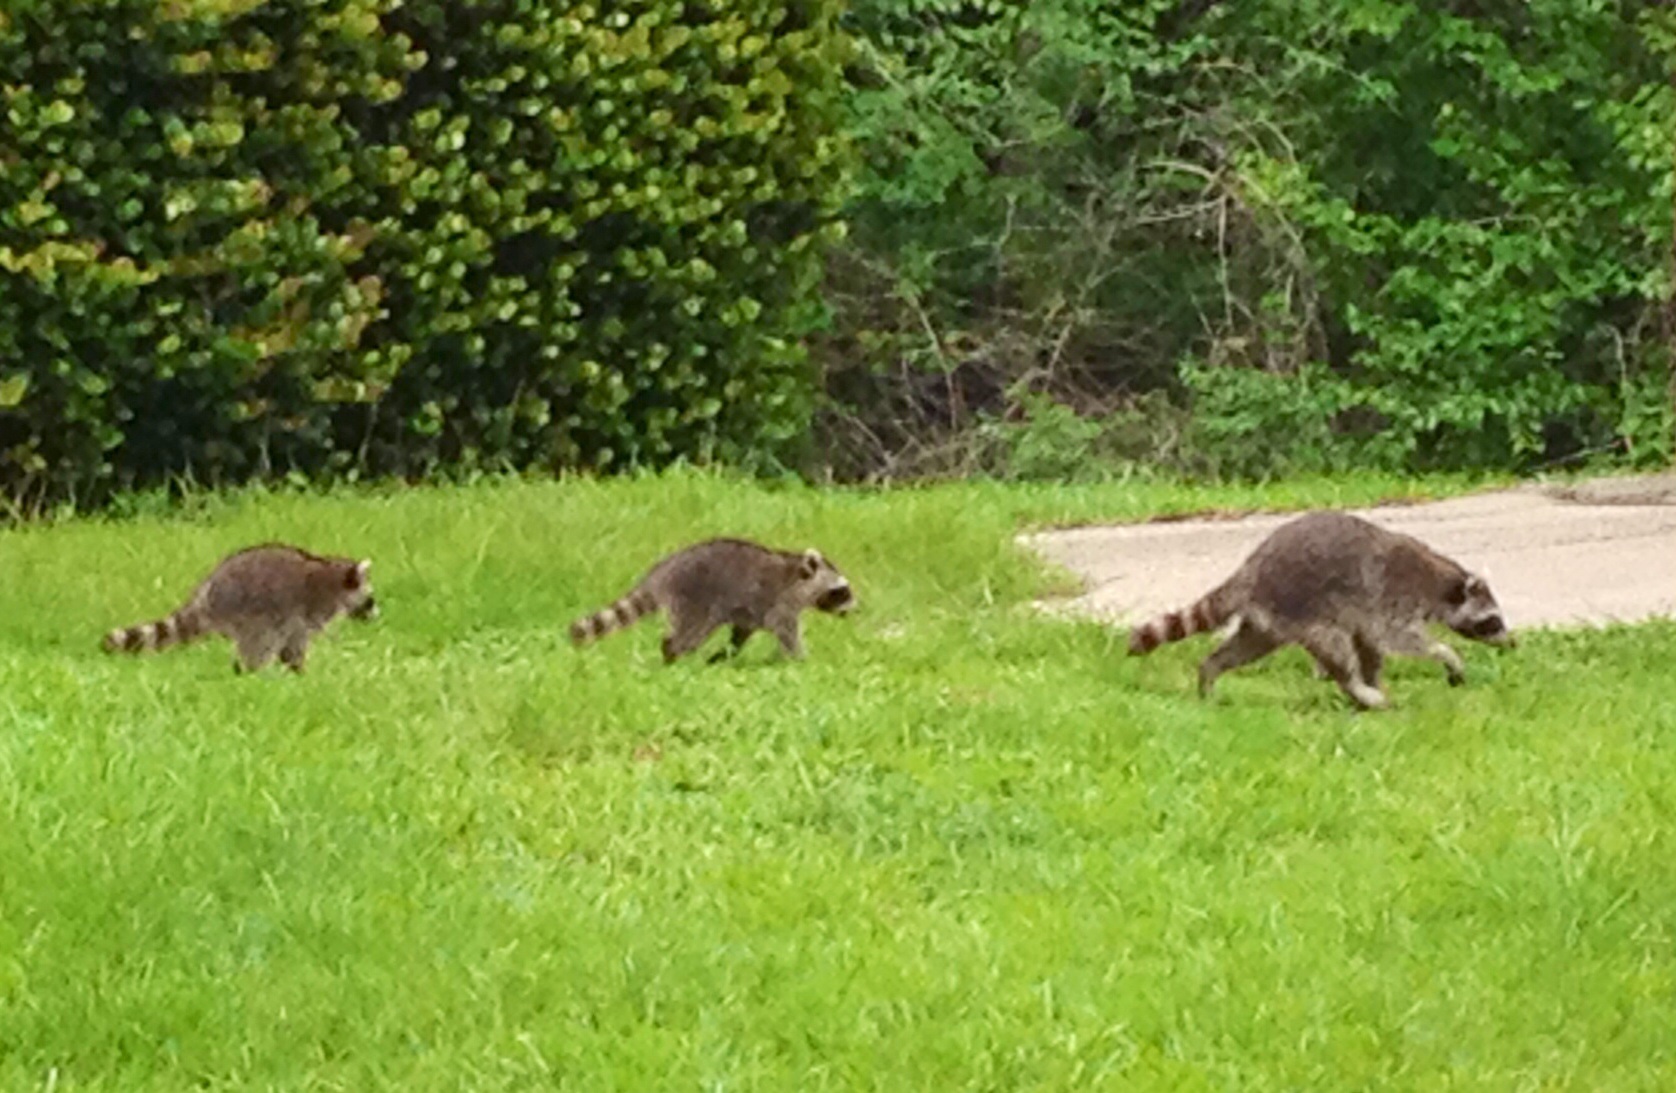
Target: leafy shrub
{"type": "Point", "coordinates": [1018, 224]}
{"type": "Point", "coordinates": [245, 237]}
{"type": "Point", "coordinates": [1484, 206]}
{"type": "Point", "coordinates": [1338, 230]}
{"type": "Point", "coordinates": [1248, 423]}
{"type": "Point", "coordinates": [1047, 440]}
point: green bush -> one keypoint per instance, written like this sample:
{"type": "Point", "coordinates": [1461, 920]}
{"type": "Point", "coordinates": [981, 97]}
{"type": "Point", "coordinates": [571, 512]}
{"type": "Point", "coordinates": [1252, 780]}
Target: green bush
{"type": "Point", "coordinates": [254, 237]}
{"type": "Point", "coordinates": [1414, 235]}
{"type": "Point", "coordinates": [1483, 206]}
{"type": "Point", "coordinates": [1018, 224]}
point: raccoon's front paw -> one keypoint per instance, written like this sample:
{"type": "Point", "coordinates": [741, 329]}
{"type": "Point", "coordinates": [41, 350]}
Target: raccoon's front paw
{"type": "Point", "coordinates": [1456, 677]}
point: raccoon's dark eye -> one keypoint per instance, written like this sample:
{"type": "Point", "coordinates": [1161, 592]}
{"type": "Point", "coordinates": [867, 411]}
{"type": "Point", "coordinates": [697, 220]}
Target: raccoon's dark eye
{"type": "Point", "coordinates": [1456, 594]}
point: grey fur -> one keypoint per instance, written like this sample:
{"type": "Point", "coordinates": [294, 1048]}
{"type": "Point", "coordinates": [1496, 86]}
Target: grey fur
{"type": "Point", "coordinates": [726, 582]}
{"type": "Point", "coordinates": [1349, 592]}
{"type": "Point", "coordinates": [269, 600]}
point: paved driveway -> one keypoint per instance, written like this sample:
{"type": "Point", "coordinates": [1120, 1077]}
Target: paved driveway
{"type": "Point", "coordinates": [1601, 552]}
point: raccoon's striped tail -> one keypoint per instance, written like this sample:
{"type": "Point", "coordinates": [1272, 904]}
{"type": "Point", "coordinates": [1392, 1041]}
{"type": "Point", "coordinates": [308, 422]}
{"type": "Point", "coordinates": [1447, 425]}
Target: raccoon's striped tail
{"type": "Point", "coordinates": [177, 629]}
{"type": "Point", "coordinates": [1209, 612]}
{"type": "Point", "coordinates": [625, 612]}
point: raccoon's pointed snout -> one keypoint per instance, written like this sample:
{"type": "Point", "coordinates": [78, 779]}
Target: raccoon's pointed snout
{"type": "Point", "coordinates": [1491, 630]}
{"type": "Point", "coordinates": [838, 600]}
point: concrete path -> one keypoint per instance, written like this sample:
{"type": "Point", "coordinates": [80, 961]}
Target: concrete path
{"type": "Point", "coordinates": [1601, 552]}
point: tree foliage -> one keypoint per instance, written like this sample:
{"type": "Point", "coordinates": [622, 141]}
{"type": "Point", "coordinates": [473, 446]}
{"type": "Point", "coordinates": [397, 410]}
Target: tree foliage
{"type": "Point", "coordinates": [243, 237]}
{"type": "Point", "coordinates": [1374, 231]}
{"type": "Point", "coordinates": [249, 237]}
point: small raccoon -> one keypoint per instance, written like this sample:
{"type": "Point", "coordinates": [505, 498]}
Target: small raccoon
{"type": "Point", "coordinates": [268, 600]}
{"type": "Point", "coordinates": [1346, 590]}
{"type": "Point", "coordinates": [726, 582]}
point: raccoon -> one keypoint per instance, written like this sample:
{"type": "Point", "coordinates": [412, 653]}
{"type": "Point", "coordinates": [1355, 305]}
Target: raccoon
{"type": "Point", "coordinates": [268, 600]}
{"type": "Point", "coordinates": [1346, 590]}
{"type": "Point", "coordinates": [727, 582]}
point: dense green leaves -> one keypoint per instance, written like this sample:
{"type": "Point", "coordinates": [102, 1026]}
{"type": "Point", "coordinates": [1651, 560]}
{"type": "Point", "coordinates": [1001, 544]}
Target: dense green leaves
{"type": "Point", "coordinates": [252, 236]}
{"type": "Point", "coordinates": [248, 237]}
{"type": "Point", "coordinates": [1380, 231]}
{"type": "Point", "coordinates": [1486, 205]}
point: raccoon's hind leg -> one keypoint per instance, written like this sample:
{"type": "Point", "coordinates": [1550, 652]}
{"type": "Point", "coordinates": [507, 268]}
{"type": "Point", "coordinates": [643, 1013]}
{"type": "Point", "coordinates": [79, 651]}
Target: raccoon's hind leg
{"type": "Point", "coordinates": [253, 650]}
{"type": "Point", "coordinates": [1246, 644]}
{"type": "Point", "coordinates": [1413, 641]}
{"type": "Point", "coordinates": [736, 641]}
{"type": "Point", "coordinates": [686, 633]}
{"type": "Point", "coordinates": [294, 653]}
{"type": "Point", "coordinates": [1336, 652]}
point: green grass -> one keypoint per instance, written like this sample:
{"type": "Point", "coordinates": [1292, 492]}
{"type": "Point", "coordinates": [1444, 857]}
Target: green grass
{"type": "Point", "coordinates": [962, 846]}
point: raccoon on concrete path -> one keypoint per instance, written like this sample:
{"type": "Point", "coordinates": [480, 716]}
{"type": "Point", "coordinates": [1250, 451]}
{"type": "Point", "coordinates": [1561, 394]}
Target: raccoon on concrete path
{"type": "Point", "coordinates": [1346, 590]}
{"type": "Point", "coordinates": [726, 582]}
{"type": "Point", "coordinates": [268, 600]}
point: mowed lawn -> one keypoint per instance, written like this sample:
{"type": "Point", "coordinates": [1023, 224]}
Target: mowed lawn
{"type": "Point", "coordinates": [963, 846]}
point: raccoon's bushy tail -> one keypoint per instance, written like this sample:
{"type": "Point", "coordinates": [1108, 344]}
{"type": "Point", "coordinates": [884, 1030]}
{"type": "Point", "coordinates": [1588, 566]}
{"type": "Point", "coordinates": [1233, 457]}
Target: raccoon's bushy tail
{"type": "Point", "coordinates": [1207, 613]}
{"type": "Point", "coordinates": [625, 612]}
{"type": "Point", "coordinates": [179, 628]}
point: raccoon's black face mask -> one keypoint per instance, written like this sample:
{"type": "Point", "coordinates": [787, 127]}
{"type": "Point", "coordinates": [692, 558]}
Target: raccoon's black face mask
{"type": "Point", "coordinates": [366, 610]}
{"type": "Point", "coordinates": [1473, 613]}
{"type": "Point", "coordinates": [1491, 630]}
{"type": "Point", "coordinates": [835, 595]}
{"type": "Point", "coordinates": [836, 601]}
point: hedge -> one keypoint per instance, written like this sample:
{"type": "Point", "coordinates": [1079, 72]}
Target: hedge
{"type": "Point", "coordinates": [242, 238]}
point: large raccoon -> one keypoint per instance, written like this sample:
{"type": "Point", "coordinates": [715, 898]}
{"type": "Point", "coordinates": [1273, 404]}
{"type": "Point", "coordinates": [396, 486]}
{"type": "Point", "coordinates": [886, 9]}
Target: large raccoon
{"type": "Point", "coordinates": [727, 582]}
{"type": "Point", "coordinates": [1346, 590]}
{"type": "Point", "coordinates": [269, 600]}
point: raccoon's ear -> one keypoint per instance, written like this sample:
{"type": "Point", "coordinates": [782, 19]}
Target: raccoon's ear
{"type": "Point", "coordinates": [1456, 593]}
{"type": "Point", "coordinates": [358, 574]}
{"type": "Point", "coordinates": [1475, 585]}
{"type": "Point", "coordinates": [810, 563]}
